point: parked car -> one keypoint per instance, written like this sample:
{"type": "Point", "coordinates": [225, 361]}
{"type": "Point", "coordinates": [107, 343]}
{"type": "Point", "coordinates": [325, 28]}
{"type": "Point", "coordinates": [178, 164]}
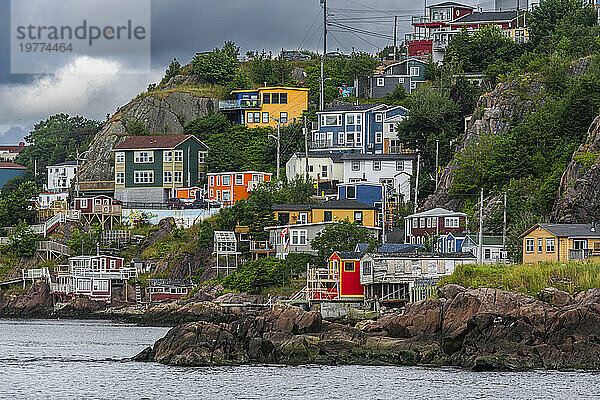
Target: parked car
{"type": "Point", "coordinates": [176, 204]}
{"type": "Point", "coordinates": [205, 204]}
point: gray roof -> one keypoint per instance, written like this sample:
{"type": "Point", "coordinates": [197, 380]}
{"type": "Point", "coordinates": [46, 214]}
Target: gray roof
{"type": "Point", "coordinates": [343, 204]}
{"type": "Point", "coordinates": [582, 230]}
{"type": "Point", "coordinates": [486, 16]}
{"type": "Point", "coordinates": [421, 255]}
{"type": "Point", "coordinates": [450, 4]}
{"type": "Point", "coordinates": [351, 107]}
{"type": "Point", "coordinates": [359, 156]}
{"type": "Point", "coordinates": [349, 255]}
{"type": "Point", "coordinates": [335, 157]}
{"type": "Point", "coordinates": [291, 207]}
{"type": "Point", "coordinates": [65, 163]}
{"type": "Point", "coordinates": [438, 212]}
{"type": "Point", "coordinates": [488, 240]}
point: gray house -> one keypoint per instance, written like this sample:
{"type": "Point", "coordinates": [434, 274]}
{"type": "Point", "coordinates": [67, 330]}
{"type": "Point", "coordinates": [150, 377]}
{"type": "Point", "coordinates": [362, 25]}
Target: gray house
{"type": "Point", "coordinates": [408, 73]}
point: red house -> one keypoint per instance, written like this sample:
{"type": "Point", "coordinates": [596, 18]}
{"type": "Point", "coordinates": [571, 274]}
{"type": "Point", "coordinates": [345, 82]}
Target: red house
{"type": "Point", "coordinates": [438, 221]}
{"type": "Point", "coordinates": [99, 204]}
{"type": "Point", "coordinates": [231, 187]}
{"type": "Point", "coordinates": [339, 281]}
{"type": "Point", "coordinates": [160, 290]}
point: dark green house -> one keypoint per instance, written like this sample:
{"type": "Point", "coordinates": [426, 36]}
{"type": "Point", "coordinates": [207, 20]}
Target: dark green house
{"type": "Point", "coordinates": [148, 169]}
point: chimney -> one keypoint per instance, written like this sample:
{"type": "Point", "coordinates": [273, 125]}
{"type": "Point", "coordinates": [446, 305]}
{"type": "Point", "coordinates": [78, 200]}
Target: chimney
{"type": "Point", "coordinates": [593, 226]}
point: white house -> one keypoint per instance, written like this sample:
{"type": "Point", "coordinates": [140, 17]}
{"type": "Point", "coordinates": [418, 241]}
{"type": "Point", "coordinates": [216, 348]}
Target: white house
{"type": "Point", "coordinates": [395, 170]}
{"type": "Point", "coordinates": [321, 166]}
{"type": "Point", "coordinates": [60, 176]}
{"type": "Point", "coordinates": [493, 251]}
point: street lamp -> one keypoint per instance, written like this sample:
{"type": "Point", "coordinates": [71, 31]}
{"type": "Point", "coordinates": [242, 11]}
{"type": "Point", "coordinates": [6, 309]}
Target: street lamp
{"type": "Point", "coordinates": [278, 138]}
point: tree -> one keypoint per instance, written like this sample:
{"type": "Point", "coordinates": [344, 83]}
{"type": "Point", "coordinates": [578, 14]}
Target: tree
{"type": "Point", "coordinates": [254, 276]}
{"type": "Point", "coordinates": [342, 236]}
{"type": "Point", "coordinates": [15, 203]}
{"type": "Point", "coordinates": [217, 67]}
{"type": "Point", "coordinates": [22, 240]}
{"type": "Point", "coordinates": [172, 71]}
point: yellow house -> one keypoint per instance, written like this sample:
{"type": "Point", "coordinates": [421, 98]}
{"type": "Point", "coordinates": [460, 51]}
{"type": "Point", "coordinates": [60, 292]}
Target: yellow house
{"type": "Point", "coordinates": [265, 106]}
{"type": "Point", "coordinates": [333, 210]}
{"type": "Point", "coordinates": [560, 242]}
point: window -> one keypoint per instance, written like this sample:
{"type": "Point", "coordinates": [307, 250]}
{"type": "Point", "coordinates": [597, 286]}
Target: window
{"type": "Point", "coordinates": [178, 176]}
{"type": "Point", "coordinates": [378, 137]}
{"type": "Point", "coordinates": [239, 179]}
{"type": "Point", "coordinates": [202, 157]}
{"type": "Point", "coordinates": [178, 155]}
{"type": "Point", "coordinates": [487, 254]}
{"type": "Point", "coordinates": [351, 192]}
{"type": "Point", "coordinates": [168, 156]}
{"type": "Point", "coordinates": [256, 117]}
{"type": "Point", "coordinates": [378, 117]}
{"type": "Point", "coordinates": [167, 177]}
{"type": "Point", "coordinates": [283, 98]}
{"type": "Point", "coordinates": [226, 195]}
{"type": "Point", "coordinates": [212, 193]}
{"type": "Point", "coordinates": [376, 165]}
{"type": "Point", "coordinates": [275, 98]}
{"type": "Point", "coordinates": [540, 245]}
{"type": "Point", "coordinates": [529, 243]}
{"type": "Point", "coordinates": [421, 222]}
{"type": "Point", "coordinates": [211, 181]}
{"type": "Point", "coordinates": [550, 245]}
{"type": "Point", "coordinates": [83, 285]}
{"type": "Point", "coordinates": [414, 71]}
{"type": "Point", "coordinates": [399, 165]}
{"type": "Point", "coordinates": [324, 171]}
{"type": "Point", "coordinates": [341, 138]}
{"type": "Point", "coordinates": [299, 237]}
{"type": "Point", "coordinates": [327, 216]}
{"type": "Point", "coordinates": [226, 180]}
{"type": "Point", "coordinates": [113, 264]}
{"type": "Point", "coordinates": [250, 118]}
{"type": "Point", "coordinates": [366, 268]}
{"type": "Point", "coordinates": [266, 98]}
{"type": "Point", "coordinates": [450, 244]}
{"type": "Point", "coordinates": [83, 203]}
{"type": "Point", "coordinates": [283, 118]}
{"type": "Point", "coordinates": [120, 157]}
{"type": "Point", "coordinates": [302, 218]}
{"type": "Point", "coordinates": [349, 266]}
{"type": "Point", "coordinates": [141, 157]}
{"type": "Point", "coordinates": [331, 120]}
{"type": "Point", "coordinates": [353, 119]}
{"type": "Point", "coordinates": [218, 180]}
{"type": "Point", "coordinates": [380, 82]}
{"type": "Point", "coordinates": [429, 222]}
{"type": "Point", "coordinates": [400, 80]}
{"type": "Point", "coordinates": [311, 168]}
{"type": "Point", "coordinates": [143, 177]}
{"type": "Point", "coordinates": [358, 217]}
{"type": "Point", "coordinates": [355, 166]}
{"type": "Point", "coordinates": [415, 223]}
{"type": "Point", "coordinates": [265, 118]}
{"type": "Point", "coordinates": [120, 178]}
{"type": "Point", "coordinates": [392, 129]}
{"type": "Point", "coordinates": [579, 244]}
{"type": "Point", "coordinates": [451, 222]}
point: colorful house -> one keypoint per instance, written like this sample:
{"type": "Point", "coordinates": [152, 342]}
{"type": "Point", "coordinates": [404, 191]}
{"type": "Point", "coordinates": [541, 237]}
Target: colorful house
{"type": "Point", "coordinates": [451, 242]}
{"type": "Point", "coordinates": [332, 210]}
{"type": "Point", "coordinates": [354, 128]}
{"type": "Point", "coordinates": [162, 290]}
{"type": "Point", "coordinates": [148, 169]}
{"type": "Point", "coordinates": [266, 106]}
{"type": "Point", "coordinates": [560, 242]}
{"type": "Point", "coordinates": [422, 226]}
{"type": "Point", "coordinates": [60, 176]}
{"type": "Point", "coordinates": [492, 250]}
{"type": "Point", "coordinates": [340, 280]}
{"type": "Point", "coordinates": [231, 187]}
{"type": "Point", "coordinates": [408, 74]}
{"type": "Point", "coordinates": [9, 170]}
{"type": "Point", "coordinates": [10, 152]}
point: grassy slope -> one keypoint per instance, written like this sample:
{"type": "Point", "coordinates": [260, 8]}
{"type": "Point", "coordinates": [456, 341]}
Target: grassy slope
{"type": "Point", "coordinates": [571, 277]}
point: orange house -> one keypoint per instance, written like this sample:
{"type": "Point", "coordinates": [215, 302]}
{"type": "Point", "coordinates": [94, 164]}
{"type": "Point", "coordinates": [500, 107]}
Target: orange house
{"type": "Point", "coordinates": [339, 281]}
{"type": "Point", "coordinates": [230, 187]}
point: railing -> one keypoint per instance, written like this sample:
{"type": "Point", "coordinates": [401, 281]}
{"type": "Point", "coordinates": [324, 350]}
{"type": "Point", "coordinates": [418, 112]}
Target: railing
{"type": "Point", "coordinates": [235, 104]}
{"type": "Point", "coordinates": [261, 245]}
{"type": "Point", "coordinates": [416, 36]}
{"type": "Point", "coordinates": [580, 254]}
{"type": "Point", "coordinates": [51, 246]}
{"type": "Point", "coordinates": [115, 236]}
{"type": "Point", "coordinates": [35, 273]}
{"type": "Point", "coordinates": [70, 215]}
{"type": "Point", "coordinates": [61, 288]}
{"type": "Point", "coordinates": [440, 44]}
{"type": "Point", "coordinates": [106, 209]}
{"type": "Point", "coordinates": [320, 144]}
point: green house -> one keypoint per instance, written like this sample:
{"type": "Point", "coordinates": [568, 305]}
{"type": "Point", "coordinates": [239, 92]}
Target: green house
{"type": "Point", "coordinates": [148, 169]}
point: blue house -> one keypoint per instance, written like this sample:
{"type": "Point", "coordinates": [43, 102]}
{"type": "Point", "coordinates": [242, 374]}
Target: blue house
{"type": "Point", "coordinates": [357, 128]}
{"type": "Point", "coordinates": [9, 170]}
{"type": "Point", "coordinates": [366, 193]}
{"type": "Point", "coordinates": [451, 243]}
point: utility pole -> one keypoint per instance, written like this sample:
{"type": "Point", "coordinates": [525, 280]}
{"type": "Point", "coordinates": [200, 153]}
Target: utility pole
{"type": "Point", "coordinates": [322, 95]}
{"type": "Point", "coordinates": [437, 162]}
{"type": "Point", "coordinates": [383, 210]}
{"type": "Point", "coordinates": [395, 36]}
{"type": "Point", "coordinates": [77, 176]}
{"type": "Point", "coordinates": [417, 182]}
{"type": "Point", "coordinates": [278, 149]}
{"type": "Point", "coordinates": [306, 148]}
{"type": "Point", "coordinates": [480, 250]}
{"type": "Point", "coordinates": [504, 225]}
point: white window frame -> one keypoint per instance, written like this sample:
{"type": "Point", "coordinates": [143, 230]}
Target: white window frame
{"type": "Point", "coordinates": [211, 181]}
{"type": "Point", "coordinates": [348, 194]}
{"type": "Point", "coordinates": [378, 117]}
{"type": "Point", "coordinates": [399, 165]}
{"type": "Point", "coordinates": [178, 156]}
{"type": "Point", "coordinates": [378, 137]}
{"type": "Point", "coordinates": [226, 180]}
{"type": "Point", "coordinates": [422, 222]}
{"type": "Point", "coordinates": [355, 165]}
{"type": "Point", "coordinates": [415, 222]}
{"type": "Point", "coordinates": [400, 80]}
{"type": "Point", "coordinates": [168, 156]}
{"type": "Point", "coordinates": [143, 157]}
{"type": "Point", "coordinates": [226, 195]}
{"type": "Point", "coordinates": [338, 119]}
{"type": "Point", "coordinates": [540, 245]}
{"type": "Point", "coordinates": [119, 157]}
{"type": "Point", "coordinates": [178, 177]}
{"type": "Point", "coordinates": [414, 71]}
{"type": "Point", "coordinates": [340, 138]}
{"type": "Point", "coordinates": [550, 245]}
{"type": "Point", "coordinates": [119, 178]}
{"type": "Point", "coordinates": [249, 117]}
{"type": "Point", "coordinates": [380, 82]}
{"type": "Point", "coordinates": [376, 165]}
{"type": "Point", "coordinates": [202, 157]}
{"type": "Point", "coordinates": [324, 171]}
{"type": "Point", "coordinates": [83, 203]}
{"type": "Point", "coordinates": [144, 176]}
{"type": "Point", "coordinates": [283, 117]}
{"type": "Point", "coordinates": [239, 179]}
{"type": "Point", "coordinates": [167, 177]}
{"type": "Point", "coordinates": [452, 222]}
{"type": "Point", "coordinates": [529, 245]}
{"type": "Point", "coordinates": [265, 117]}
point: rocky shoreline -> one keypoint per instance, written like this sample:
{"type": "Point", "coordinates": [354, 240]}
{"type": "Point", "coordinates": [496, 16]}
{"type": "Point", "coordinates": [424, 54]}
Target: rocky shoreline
{"type": "Point", "coordinates": [480, 329]}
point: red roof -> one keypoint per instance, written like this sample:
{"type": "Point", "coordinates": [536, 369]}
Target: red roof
{"type": "Point", "coordinates": [152, 142]}
{"type": "Point", "coordinates": [13, 148]}
{"type": "Point", "coordinates": [6, 164]}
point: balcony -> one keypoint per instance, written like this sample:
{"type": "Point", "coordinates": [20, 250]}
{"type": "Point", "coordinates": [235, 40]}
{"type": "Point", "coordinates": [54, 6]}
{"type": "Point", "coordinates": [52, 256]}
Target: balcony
{"type": "Point", "coordinates": [412, 37]}
{"type": "Point", "coordinates": [321, 144]}
{"type": "Point", "coordinates": [440, 45]}
{"type": "Point", "coordinates": [239, 104]}
{"type": "Point", "coordinates": [580, 254]}
{"type": "Point", "coordinates": [261, 246]}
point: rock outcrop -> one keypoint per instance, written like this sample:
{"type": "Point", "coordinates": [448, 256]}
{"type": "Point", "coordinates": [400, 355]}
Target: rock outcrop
{"type": "Point", "coordinates": [36, 302]}
{"type": "Point", "coordinates": [164, 112]}
{"type": "Point", "coordinates": [482, 329]}
{"type": "Point", "coordinates": [578, 197]}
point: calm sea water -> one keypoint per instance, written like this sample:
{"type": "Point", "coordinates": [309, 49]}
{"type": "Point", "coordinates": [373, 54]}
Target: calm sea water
{"type": "Point", "coordinates": [46, 359]}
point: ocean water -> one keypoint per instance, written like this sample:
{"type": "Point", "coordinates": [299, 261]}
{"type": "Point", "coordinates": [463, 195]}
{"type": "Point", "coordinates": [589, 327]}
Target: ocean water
{"type": "Point", "coordinates": [66, 359]}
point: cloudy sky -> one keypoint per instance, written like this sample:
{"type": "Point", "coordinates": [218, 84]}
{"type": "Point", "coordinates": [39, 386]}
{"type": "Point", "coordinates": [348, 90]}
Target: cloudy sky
{"type": "Point", "coordinates": [92, 85]}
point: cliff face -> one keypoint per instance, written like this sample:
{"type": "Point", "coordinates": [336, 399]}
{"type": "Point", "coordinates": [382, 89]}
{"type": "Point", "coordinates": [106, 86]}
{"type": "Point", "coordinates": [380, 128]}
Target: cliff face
{"type": "Point", "coordinates": [578, 197]}
{"type": "Point", "coordinates": [163, 112]}
{"type": "Point", "coordinates": [495, 112]}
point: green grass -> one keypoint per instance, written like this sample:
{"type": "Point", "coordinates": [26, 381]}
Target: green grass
{"type": "Point", "coordinates": [571, 277]}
